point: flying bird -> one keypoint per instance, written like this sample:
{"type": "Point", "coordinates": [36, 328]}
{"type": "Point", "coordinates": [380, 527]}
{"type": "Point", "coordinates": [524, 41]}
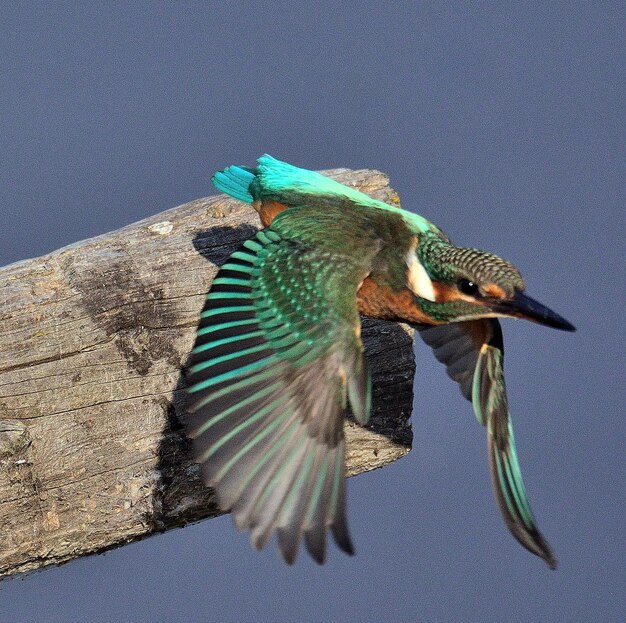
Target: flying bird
{"type": "Point", "coordinates": [278, 359]}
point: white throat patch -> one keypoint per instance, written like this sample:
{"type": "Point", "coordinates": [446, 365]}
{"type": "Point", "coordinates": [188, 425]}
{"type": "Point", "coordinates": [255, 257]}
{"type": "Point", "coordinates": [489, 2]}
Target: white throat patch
{"type": "Point", "coordinates": [417, 278]}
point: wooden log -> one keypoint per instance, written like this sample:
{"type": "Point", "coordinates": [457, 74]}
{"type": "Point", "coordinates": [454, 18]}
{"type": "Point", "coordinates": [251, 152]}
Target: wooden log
{"type": "Point", "coordinates": [92, 341]}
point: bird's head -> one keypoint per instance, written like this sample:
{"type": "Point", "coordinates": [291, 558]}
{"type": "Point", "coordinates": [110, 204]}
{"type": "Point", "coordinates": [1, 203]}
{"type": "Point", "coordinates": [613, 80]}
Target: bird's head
{"type": "Point", "coordinates": [455, 283]}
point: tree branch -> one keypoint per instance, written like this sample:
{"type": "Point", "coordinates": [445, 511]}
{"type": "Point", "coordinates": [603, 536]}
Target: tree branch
{"type": "Point", "coordinates": [92, 340]}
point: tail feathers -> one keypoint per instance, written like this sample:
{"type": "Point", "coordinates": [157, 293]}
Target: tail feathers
{"type": "Point", "coordinates": [235, 181]}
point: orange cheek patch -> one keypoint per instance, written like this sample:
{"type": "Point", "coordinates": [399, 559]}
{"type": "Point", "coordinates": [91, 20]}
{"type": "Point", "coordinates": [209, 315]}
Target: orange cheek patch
{"type": "Point", "coordinates": [494, 290]}
{"type": "Point", "coordinates": [444, 293]}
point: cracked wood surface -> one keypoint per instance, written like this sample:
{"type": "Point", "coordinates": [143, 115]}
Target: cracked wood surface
{"type": "Point", "coordinates": [92, 340]}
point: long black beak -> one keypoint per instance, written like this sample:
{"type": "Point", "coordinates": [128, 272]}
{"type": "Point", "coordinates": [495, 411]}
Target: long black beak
{"type": "Point", "coordinates": [522, 306]}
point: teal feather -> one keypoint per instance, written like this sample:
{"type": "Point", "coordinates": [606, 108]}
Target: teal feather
{"type": "Point", "coordinates": [291, 185]}
{"type": "Point", "coordinates": [235, 181]}
{"type": "Point", "coordinates": [474, 357]}
{"type": "Point", "coordinates": [268, 441]}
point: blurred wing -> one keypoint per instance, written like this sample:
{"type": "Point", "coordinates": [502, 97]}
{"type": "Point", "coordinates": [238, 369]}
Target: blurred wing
{"type": "Point", "coordinates": [473, 353]}
{"type": "Point", "coordinates": [277, 359]}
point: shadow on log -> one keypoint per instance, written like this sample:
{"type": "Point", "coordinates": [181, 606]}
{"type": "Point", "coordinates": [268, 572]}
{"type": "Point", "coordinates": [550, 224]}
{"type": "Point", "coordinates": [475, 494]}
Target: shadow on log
{"type": "Point", "coordinates": [93, 338]}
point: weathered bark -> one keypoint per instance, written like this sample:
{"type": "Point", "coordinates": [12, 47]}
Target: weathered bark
{"type": "Point", "coordinates": [92, 340]}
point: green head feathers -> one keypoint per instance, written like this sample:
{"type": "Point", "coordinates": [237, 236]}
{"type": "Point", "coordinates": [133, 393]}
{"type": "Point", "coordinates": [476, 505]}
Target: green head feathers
{"type": "Point", "coordinates": [452, 265]}
{"type": "Point", "coordinates": [468, 281]}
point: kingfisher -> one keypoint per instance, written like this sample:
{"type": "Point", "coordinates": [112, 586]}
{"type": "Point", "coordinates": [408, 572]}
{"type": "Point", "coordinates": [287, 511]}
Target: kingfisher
{"type": "Point", "coordinates": [278, 359]}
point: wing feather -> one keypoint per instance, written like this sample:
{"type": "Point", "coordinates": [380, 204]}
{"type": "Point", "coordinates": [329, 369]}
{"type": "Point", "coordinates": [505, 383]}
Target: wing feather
{"type": "Point", "coordinates": [473, 353]}
{"type": "Point", "coordinates": [276, 363]}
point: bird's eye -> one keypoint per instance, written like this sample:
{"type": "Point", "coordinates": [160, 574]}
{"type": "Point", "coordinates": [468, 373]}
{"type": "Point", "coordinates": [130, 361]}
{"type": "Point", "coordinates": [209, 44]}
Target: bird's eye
{"type": "Point", "coordinates": [468, 287]}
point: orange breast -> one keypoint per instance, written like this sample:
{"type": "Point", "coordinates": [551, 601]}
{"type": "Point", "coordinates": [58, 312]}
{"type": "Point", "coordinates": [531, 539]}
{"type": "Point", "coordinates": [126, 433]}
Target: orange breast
{"type": "Point", "coordinates": [379, 301]}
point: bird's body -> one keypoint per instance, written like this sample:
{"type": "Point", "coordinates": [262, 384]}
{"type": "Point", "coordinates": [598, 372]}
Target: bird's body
{"type": "Point", "coordinates": [278, 358]}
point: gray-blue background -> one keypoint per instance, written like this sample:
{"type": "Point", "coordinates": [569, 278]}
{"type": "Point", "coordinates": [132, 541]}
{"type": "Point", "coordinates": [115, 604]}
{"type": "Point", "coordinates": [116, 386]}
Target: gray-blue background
{"type": "Point", "coordinates": [502, 124]}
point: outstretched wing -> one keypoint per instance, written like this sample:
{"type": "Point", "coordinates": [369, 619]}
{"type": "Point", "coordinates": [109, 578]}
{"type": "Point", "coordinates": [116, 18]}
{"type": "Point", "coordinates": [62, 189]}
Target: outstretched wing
{"type": "Point", "coordinates": [277, 360]}
{"type": "Point", "coordinates": [473, 353]}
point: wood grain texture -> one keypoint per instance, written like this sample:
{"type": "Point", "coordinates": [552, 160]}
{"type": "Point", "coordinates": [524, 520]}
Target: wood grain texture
{"type": "Point", "coordinates": [92, 341]}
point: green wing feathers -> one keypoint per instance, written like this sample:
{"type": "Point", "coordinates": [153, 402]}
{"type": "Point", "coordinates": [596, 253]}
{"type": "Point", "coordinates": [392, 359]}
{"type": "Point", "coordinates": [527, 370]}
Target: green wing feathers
{"type": "Point", "coordinates": [276, 363]}
{"type": "Point", "coordinates": [473, 353]}
{"type": "Point", "coordinates": [489, 396]}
